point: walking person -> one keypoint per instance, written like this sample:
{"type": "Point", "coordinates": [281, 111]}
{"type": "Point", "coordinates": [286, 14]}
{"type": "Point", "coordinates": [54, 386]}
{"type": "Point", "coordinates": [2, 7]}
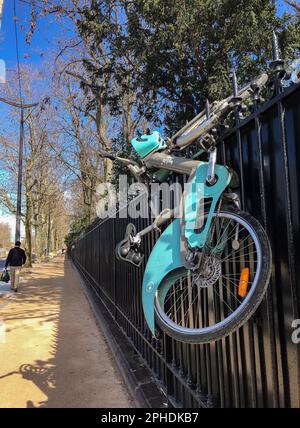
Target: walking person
{"type": "Point", "coordinates": [16, 259]}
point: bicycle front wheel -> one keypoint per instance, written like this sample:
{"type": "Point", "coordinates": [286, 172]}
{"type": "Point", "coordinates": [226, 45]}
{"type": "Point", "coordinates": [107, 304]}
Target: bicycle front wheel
{"type": "Point", "coordinates": [209, 303]}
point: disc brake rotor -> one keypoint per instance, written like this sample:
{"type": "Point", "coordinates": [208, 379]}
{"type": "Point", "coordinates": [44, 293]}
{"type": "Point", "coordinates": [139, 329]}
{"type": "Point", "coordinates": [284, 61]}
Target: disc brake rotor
{"type": "Point", "coordinates": [209, 274]}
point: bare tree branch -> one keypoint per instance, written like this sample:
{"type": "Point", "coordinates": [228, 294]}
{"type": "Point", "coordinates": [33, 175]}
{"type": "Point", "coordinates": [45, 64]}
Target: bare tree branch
{"type": "Point", "coordinates": [295, 5]}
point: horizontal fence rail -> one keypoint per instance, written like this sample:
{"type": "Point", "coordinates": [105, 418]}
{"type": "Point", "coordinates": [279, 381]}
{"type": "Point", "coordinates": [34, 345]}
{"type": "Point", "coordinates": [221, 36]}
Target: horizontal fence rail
{"type": "Point", "coordinates": [258, 365]}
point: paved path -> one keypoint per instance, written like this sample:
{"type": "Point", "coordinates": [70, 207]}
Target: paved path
{"type": "Point", "coordinates": [52, 352]}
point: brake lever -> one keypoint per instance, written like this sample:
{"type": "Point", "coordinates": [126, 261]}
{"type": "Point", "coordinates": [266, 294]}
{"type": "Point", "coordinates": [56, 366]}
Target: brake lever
{"type": "Point", "coordinates": [137, 171]}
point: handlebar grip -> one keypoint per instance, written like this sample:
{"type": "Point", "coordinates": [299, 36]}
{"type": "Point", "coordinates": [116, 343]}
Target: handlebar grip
{"type": "Point", "coordinates": [107, 155]}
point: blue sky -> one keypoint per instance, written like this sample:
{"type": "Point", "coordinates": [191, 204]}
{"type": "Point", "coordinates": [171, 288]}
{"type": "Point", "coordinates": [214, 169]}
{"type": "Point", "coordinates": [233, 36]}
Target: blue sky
{"type": "Point", "coordinates": [43, 38]}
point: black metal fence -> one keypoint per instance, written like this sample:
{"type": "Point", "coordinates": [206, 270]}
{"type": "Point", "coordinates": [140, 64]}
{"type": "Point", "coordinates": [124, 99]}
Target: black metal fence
{"type": "Point", "coordinates": [258, 365]}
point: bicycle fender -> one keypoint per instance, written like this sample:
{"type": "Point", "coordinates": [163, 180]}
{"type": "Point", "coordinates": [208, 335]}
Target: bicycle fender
{"type": "Point", "coordinates": [166, 255]}
{"type": "Point", "coordinates": [164, 258]}
{"type": "Point", "coordinates": [192, 201]}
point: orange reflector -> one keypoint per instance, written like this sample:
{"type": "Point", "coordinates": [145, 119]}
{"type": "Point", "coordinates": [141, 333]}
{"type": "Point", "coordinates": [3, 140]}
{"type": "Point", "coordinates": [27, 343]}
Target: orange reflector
{"type": "Point", "coordinates": [243, 284]}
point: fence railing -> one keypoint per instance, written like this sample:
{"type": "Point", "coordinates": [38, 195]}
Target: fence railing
{"type": "Point", "coordinates": [258, 365]}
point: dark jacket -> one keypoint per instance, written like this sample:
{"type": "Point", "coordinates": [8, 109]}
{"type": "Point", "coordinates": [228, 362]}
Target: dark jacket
{"type": "Point", "coordinates": [16, 257]}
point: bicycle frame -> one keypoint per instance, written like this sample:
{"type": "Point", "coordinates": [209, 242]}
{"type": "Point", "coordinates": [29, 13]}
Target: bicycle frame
{"type": "Point", "coordinates": [169, 252]}
{"type": "Point", "coordinates": [181, 244]}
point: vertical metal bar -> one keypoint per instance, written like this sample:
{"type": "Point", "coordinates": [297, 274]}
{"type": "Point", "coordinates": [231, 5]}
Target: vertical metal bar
{"type": "Point", "coordinates": [114, 284]}
{"type": "Point", "coordinates": [207, 352]}
{"type": "Point", "coordinates": [237, 101]}
{"type": "Point", "coordinates": [290, 231]}
{"type": "Point", "coordinates": [189, 371]}
{"type": "Point", "coordinates": [278, 66]}
{"type": "Point", "coordinates": [269, 294]}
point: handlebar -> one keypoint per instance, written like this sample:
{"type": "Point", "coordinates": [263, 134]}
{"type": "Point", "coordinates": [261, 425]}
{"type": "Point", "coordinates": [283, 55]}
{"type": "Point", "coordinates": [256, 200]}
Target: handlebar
{"type": "Point", "coordinates": [201, 124]}
{"type": "Point", "coordinates": [113, 157]}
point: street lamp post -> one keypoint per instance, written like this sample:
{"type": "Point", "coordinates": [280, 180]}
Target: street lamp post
{"type": "Point", "coordinates": [20, 173]}
{"type": "Point", "coordinates": [21, 140]}
{"type": "Point", "coordinates": [20, 161]}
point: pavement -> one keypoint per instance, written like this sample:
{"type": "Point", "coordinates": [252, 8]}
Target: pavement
{"type": "Point", "coordinates": [52, 352]}
{"type": "Point", "coordinates": [4, 289]}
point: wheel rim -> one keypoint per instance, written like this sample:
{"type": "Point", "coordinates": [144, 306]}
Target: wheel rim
{"type": "Point", "coordinates": [193, 307]}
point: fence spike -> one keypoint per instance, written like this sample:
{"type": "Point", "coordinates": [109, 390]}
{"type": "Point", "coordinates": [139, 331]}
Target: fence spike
{"type": "Point", "coordinates": [275, 46]}
{"type": "Point", "coordinates": [207, 109]}
{"type": "Point", "coordinates": [234, 83]}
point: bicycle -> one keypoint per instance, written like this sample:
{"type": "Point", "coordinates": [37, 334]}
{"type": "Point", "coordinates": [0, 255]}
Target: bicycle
{"type": "Point", "coordinates": [205, 281]}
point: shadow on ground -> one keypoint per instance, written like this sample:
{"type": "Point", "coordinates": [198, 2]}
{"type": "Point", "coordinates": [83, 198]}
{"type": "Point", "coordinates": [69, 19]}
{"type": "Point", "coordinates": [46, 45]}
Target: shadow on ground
{"type": "Point", "coordinates": [73, 375]}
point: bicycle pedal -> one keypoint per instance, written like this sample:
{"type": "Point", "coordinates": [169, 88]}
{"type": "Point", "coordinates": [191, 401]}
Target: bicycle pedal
{"type": "Point", "coordinates": [128, 253]}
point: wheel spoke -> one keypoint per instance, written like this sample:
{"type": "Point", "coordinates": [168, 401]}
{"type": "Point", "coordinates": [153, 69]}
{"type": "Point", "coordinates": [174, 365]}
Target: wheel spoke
{"type": "Point", "coordinates": [238, 249]}
{"type": "Point", "coordinates": [223, 301]}
{"type": "Point", "coordinates": [198, 299]}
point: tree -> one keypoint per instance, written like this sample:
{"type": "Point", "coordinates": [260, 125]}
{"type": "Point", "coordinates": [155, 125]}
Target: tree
{"type": "Point", "coordinates": [146, 63]}
{"type": "Point", "coordinates": [167, 56]}
{"type": "Point", "coordinates": [41, 186]}
{"type": "Point", "coordinates": [78, 145]}
{"type": "Point", "coordinates": [187, 48]}
{"type": "Point", "coordinates": [108, 81]}
{"type": "Point", "coordinates": [5, 235]}
{"type": "Point", "coordinates": [77, 226]}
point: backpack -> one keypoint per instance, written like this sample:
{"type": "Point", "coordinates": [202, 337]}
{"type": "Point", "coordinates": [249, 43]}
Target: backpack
{"type": "Point", "coordinates": [16, 258]}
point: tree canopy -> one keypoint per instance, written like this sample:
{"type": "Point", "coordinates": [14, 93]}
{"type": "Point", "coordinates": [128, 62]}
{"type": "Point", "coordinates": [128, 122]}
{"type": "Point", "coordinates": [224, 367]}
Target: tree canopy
{"type": "Point", "coordinates": [127, 64]}
{"type": "Point", "coordinates": [176, 53]}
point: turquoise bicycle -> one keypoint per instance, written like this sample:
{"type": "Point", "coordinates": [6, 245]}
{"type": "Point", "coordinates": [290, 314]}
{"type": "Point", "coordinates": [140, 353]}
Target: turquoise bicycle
{"type": "Point", "coordinates": [206, 274]}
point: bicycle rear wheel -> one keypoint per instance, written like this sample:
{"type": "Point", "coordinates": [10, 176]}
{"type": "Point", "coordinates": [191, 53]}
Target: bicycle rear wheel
{"type": "Point", "coordinates": [208, 304]}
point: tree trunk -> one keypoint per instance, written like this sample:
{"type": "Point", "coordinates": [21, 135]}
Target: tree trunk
{"type": "Point", "coordinates": [37, 243]}
{"type": "Point", "coordinates": [28, 241]}
{"type": "Point", "coordinates": [28, 218]}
